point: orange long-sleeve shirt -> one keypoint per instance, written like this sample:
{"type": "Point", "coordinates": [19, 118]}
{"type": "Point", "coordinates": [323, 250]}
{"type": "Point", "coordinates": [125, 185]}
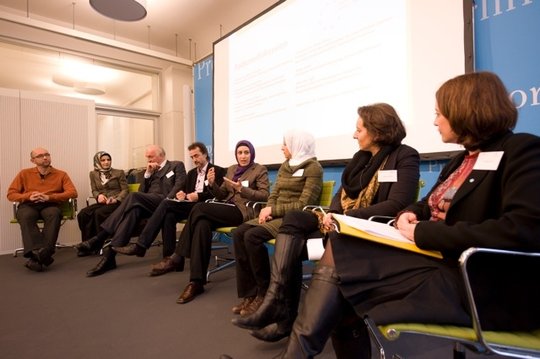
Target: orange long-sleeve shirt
{"type": "Point", "coordinates": [56, 184]}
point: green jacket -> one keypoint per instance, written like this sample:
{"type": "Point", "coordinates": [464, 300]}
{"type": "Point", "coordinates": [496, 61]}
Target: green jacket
{"type": "Point", "coordinates": [295, 188]}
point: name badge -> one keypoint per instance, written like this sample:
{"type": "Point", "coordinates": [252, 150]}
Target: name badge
{"type": "Point", "coordinates": [169, 174]}
{"type": "Point", "coordinates": [315, 248]}
{"type": "Point", "coordinates": [206, 183]}
{"type": "Point", "coordinates": [245, 183]}
{"type": "Point", "coordinates": [298, 173]}
{"type": "Point", "coordinates": [387, 176]}
{"type": "Point", "coordinates": [488, 161]}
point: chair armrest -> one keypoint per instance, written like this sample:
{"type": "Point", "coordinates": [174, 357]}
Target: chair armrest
{"type": "Point", "coordinates": [15, 206]}
{"type": "Point", "coordinates": [256, 204]}
{"type": "Point", "coordinates": [383, 219]}
{"type": "Point", "coordinates": [91, 198]}
{"type": "Point", "coordinates": [501, 281]}
{"type": "Point", "coordinates": [217, 201]}
{"type": "Point", "coordinates": [316, 208]}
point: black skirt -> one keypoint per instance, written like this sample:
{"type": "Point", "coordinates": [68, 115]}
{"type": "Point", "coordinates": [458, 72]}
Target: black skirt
{"type": "Point", "coordinates": [393, 285]}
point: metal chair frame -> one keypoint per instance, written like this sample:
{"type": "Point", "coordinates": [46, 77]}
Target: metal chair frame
{"type": "Point", "coordinates": [69, 212]}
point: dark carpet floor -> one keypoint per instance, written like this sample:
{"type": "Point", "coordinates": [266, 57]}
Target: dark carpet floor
{"type": "Point", "coordinates": [125, 313]}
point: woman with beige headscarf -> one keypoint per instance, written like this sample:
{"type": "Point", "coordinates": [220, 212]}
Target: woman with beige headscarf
{"type": "Point", "coordinates": [109, 188]}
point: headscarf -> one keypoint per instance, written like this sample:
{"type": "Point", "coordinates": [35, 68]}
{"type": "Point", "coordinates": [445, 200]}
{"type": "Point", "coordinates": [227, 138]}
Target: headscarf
{"type": "Point", "coordinates": [104, 174]}
{"type": "Point", "coordinates": [241, 169]}
{"type": "Point", "coordinates": [301, 145]}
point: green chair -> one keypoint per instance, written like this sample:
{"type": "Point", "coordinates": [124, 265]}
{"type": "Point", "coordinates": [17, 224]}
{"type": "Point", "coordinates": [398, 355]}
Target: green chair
{"type": "Point", "coordinates": [324, 201]}
{"type": "Point", "coordinates": [69, 212]}
{"type": "Point", "coordinates": [477, 265]}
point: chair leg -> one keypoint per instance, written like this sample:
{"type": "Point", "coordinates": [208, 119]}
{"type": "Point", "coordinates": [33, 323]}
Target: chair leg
{"type": "Point", "coordinates": [459, 351]}
{"type": "Point", "coordinates": [17, 251]}
{"type": "Point", "coordinates": [373, 330]}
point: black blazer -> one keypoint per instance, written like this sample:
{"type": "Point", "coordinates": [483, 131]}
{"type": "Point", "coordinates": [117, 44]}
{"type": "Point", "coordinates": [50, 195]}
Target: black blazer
{"type": "Point", "coordinates": [191, 181]}
{"type": "Point", "coordinates": [494, 209]}
{"type": "Point", "coordinates": [171, 177]}
{"type": "Point", "coordinates": [391, 197]}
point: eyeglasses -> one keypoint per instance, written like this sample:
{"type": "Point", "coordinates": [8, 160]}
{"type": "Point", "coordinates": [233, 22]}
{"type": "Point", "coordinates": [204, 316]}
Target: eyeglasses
{"type": "Point", "coordinates": [40, 156]}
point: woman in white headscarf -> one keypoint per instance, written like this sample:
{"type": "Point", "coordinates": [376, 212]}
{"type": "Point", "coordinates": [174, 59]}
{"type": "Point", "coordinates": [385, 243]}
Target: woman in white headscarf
{"type": "Point", "coordinates": [109, 188]}
{"type": "Point", "coordinates": [298, 183]}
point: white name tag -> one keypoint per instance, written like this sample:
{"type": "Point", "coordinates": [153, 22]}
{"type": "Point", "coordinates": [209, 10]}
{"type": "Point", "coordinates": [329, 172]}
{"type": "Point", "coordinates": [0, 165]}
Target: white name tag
{"type": "Point", "coordinates": [488, 161]}
{"type": "Point", "coordinates": [299, 173]}
{"type": "Point", "coordinates": [245, 183]}
{"type": "Point", "coordinates": [206, 183]}
{"type": "Point", "coordinates": [169, 174]}
{"type": "Point", "coordinates": [387, 176]}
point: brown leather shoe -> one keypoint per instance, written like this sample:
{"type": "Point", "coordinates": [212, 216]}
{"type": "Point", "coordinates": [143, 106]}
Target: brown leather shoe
{"type": "Point", "coordinates": [192, 290]}
{"type": "Point", "coordinates": [131, 249]}
{"type": "Point", "coordinates": [242, 305]}
{"type": "Point", "coordinates": [167, 265]}
{"type": "Point", "coordinates": [253, 306]}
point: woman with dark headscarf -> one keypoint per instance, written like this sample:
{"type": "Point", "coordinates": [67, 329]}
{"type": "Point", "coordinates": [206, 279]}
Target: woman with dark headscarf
{"type": "Point", "coordinates": [109, 188]}
{"type": "Point", "coordinates": [245, 181]}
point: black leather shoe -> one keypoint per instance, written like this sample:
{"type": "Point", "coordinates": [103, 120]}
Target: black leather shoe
{"type": "Point", "coordinates": [192, 290]}
{"type": "Point", "coordinates": [88, 247]}
{"type": "Point", "coordinates": [132, 249]}
{"type": "Point", "coordinates": [273, 332]}
{"type": "Point", "coordinates": [33, 265]}
{"type": "Point", "coordinates": [106, 264]}
{"type": "Point", "coordinates": [43, 256]}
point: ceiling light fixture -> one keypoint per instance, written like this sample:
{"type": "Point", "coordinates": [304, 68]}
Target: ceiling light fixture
{"type": "Point", "coordinates": [124, 10]}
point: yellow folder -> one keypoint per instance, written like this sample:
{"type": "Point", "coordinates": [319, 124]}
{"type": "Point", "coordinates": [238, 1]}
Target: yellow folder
{"type": "Point", "coordinates": [378, 232]}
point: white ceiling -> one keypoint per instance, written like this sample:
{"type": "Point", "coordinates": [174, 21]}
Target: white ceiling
{"type": "Point", "coordinates": [180, 28]}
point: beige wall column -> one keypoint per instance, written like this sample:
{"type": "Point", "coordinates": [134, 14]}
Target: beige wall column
{"type": "Point", "coordinates": [176, 124]}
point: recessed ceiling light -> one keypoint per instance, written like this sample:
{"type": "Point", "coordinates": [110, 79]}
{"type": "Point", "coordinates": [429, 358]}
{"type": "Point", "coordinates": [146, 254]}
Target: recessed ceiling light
{"type": "Point", "coordinates": [124, 10]}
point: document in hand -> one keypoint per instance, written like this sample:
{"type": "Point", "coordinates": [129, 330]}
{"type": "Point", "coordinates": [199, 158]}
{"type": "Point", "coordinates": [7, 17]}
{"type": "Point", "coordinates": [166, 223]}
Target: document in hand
{"type": "Point", "coordinates": [378, 232]}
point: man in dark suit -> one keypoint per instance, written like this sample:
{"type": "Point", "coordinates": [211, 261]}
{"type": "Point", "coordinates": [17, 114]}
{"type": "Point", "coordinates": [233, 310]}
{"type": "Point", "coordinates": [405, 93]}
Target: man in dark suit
{"type": "Point", "coordinates": [172, 211]}
{"type": "Point", "coordinates": [162, 179]}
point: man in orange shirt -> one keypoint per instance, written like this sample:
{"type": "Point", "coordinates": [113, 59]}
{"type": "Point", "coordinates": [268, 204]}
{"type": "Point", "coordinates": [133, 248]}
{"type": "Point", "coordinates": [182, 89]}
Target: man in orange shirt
{"type": "Point", "coordinates": [40, 190]}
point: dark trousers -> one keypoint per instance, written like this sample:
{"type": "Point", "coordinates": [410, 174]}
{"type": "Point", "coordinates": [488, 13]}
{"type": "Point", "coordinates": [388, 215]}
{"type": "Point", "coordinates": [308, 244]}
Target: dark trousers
{"type": "Point", "coordinates": [196, 237]}
{"type": "Point", "coordinates": [122, 222]}
{"type": "Point", "coordinates": [300, 224]}
{"type": "Point", "coordinates": [164, 218]}
{"type": "Point", "coordinates": [91, 217]}
{"type": "Point", "coordinates": [33, 238]}
{"type": "Point", "coordinates": [252, 263]}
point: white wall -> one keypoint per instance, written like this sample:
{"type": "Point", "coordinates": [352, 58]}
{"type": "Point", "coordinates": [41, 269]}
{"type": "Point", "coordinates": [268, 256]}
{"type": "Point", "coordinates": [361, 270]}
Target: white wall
{"type": "Point", "coordinates": [65, 127]}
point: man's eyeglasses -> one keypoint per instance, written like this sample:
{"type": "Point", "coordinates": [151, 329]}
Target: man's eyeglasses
{"type": "Point", "coordinates": [40, 156]}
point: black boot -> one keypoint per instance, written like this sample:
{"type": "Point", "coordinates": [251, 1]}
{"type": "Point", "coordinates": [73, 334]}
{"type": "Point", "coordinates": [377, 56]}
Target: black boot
{"type": "Point", "coordinates": [107, 262]}
{"type": "Point", "coordinates": [351, 339]}
{"type": "Point", "coordinates": [90, 246]}
{"type": "Point", "coordinates": [277, 331]}
{"type": "Point", "coordinates": [276, 307]}
{"type": "Point", "coordinates": [273, 332]}
{"type": "Point", "coordinates": [319, 315]}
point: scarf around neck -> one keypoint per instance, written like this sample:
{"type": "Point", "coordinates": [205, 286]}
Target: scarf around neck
{"type": "Point", "coordinates": [362, 167]}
